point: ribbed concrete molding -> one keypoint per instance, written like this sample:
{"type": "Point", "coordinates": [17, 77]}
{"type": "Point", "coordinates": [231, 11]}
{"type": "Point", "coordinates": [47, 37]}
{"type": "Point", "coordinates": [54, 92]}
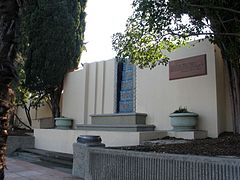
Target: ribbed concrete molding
{"type": "Point", "coordinates": [109, 164]}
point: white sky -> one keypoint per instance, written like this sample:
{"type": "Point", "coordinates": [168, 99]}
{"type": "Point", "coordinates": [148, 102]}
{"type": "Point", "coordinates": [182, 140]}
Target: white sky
{"type": "Point", "coordinates": [104, 18]}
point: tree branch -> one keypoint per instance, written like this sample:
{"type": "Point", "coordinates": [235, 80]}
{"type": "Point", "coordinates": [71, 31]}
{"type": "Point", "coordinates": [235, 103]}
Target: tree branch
{"type": "Point", "coordinates": [206, 33]}
{"type": "Point", "coordinates": [219, 18]}
{"type": "Point", "coordinates": [230, 20]}
{"type": "Point", "coordinates": [21, 121]}
{"type": "Point", "coordinates": [215, 7]}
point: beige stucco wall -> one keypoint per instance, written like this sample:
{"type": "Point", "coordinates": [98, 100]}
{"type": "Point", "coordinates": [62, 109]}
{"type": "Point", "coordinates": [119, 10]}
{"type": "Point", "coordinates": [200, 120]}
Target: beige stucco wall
{"type": "Point", "coordinates": [38, 115]}
{"type": "Point", "coordinates": [223, 97]}
{"type": "Point", "coordinates": [89, 91]}
{"type": "Point", "coordinates": [158, 96]}
{"type": "Point", "coordinates": [62, 140]}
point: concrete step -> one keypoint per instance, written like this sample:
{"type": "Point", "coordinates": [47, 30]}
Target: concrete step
{"type": "Point", "coordinates": [50, 154]}
{"type": "Point", "coordinates": [27, 157]}
{"type": "Point", "coordinates": [55, 160]}
{"type": "Point", "coordinates": [119, 119]}
{"type": "Point", "coordinates": [127, 128]}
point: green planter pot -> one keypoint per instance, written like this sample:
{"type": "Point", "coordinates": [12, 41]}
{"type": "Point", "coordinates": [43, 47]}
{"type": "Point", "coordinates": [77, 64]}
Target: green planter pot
{"type": "Point", "coordinates": [63, 123]}
{"type": "Point", "coordinates": [183, 121]}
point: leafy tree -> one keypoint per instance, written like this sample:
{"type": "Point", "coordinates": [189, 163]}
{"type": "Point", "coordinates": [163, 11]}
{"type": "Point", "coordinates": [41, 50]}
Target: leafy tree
{"type": "Point", "coordinates": [156, 27]}
{"type": "Point", "coordinates": [8, 29]}
{"type": "Point", "coordinates": [23, 97]}
{"type": "Point", "coordinates": [53, 33]}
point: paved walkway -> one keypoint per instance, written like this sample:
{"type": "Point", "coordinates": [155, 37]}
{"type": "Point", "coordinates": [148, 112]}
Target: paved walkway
{"type": "Point", "coordinates": [21, 170]}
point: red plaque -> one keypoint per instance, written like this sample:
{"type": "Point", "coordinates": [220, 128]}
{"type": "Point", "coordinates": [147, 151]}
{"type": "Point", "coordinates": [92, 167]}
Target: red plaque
{"type": "Point", "coordinates": [188, 67]}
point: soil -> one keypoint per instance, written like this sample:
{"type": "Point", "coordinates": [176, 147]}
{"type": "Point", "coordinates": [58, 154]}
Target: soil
{"type": "Point", "coordinates": [226, 144]}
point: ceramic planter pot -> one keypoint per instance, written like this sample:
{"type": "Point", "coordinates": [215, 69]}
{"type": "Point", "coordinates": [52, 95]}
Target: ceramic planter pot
{"type": "Point", "coordinates": [183, 121]}
{"type": "Point", "coordinates": [63, 123]}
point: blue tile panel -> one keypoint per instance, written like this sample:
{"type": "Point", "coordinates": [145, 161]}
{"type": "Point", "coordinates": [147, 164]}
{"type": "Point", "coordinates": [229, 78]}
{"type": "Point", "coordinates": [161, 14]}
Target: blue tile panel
{"type": "Point", "coordinates": [126, 106]}
{"type": "Point", "coordinates": [126, 95]}
{"type": "Point", "coordinates": [127, 75]}
{"type": "Point", "coordinates": [126, 85]}
{"type": "Point", "coordinates": [127, 66]}
{"type": "Point", "coordinates": [126, 91]}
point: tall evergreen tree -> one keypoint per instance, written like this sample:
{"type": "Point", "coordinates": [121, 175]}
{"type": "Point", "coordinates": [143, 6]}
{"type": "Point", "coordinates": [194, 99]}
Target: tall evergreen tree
{"type": "Point", "coordinates": [53, 37]}
{"type": "Point", "coordinates": [8, 25]}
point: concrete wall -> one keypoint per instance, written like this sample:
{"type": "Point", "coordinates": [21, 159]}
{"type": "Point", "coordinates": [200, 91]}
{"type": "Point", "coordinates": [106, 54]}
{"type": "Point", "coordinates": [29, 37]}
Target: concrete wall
{"type": "Point", "coordinates": [62, 140]}
{"type": "Point", "coordinates": [158, 96]}
{"type": "Point", "coordinates": [89, 91]}
{"type": "Point", "coordinates": [223, 96]}
{"type": "Point", "coordinates": [43, 113]}
{"type": "Point", "coordinates": [91, 163]}
{"type": "Point", "coordinates": [15, 143]}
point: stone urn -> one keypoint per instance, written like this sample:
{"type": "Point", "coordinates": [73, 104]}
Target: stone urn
{"type": "Point", "coordinates": [183, 121]}
{"type": "Point", "coordinates": [90, 141]}
{"type": "Point", "coordinates": [63, 123]}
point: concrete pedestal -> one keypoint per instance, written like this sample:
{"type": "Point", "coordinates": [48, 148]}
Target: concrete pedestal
{"type": "Point", "coordinates": [197, 134]}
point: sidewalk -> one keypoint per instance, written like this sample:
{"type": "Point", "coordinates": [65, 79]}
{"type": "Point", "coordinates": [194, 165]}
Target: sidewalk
{"type": "Point", "coordinates": [21, 170]}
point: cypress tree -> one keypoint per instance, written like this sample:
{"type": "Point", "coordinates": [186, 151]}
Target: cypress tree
{"type": "Point", "coordinates": [52, 34]}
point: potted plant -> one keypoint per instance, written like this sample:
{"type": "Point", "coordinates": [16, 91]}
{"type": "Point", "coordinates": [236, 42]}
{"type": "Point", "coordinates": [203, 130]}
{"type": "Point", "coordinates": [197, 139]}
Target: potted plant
{"type": "Point", "coordinates": [63, 122]}
{"type": "Point", "coordinates": [183, 120]}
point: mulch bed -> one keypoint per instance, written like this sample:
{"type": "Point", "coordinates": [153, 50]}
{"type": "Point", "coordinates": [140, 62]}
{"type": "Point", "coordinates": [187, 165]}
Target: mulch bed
{"type": "Point", "coordinates": [226, 145]}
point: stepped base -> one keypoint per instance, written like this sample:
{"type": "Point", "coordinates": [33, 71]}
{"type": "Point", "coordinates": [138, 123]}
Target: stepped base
{"type": "Point", "coordinates": [119, 119]}
{"type": "Point", "coordinates": [54, 160]}
{"type": "Point", "coordinates": [195, 134]}
{"type": "Point", "coordinates": [127, 128]}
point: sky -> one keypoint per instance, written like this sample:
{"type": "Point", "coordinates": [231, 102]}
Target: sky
{"type": "Point", "coordinates": [104, 18]}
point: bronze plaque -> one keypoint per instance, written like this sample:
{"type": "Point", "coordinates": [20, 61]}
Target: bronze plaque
{"type": "Point", "coordinates": [188, 67]}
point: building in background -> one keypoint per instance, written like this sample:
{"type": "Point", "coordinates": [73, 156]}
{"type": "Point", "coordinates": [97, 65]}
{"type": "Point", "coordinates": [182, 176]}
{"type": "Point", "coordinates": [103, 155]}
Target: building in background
{"type": "Point", "coordinates": [126, 105]}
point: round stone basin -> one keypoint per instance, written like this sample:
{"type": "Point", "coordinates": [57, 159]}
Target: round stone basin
{"type": "Point", "coordinates": [184, 121]}
{"type": "Point", "coordinates": [63, 123]}
{"type": "Point", "coordinates": [90, 140]}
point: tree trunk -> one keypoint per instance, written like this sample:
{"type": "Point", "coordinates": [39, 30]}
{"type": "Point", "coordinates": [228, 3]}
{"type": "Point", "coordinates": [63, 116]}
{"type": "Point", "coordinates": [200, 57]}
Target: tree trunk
{"type": "Point", "coordinates": [55, 96]}
{"type": "Point", "coordinates": [28, 114]}
{"type": "Point", "coordinates": [8, 21]}
{"type": "Point", "coordinates": [5, 106]}
{"type": "Point", "coordinates": [232, 68]}
{"type": "Point", "coordinates": [234, 88]}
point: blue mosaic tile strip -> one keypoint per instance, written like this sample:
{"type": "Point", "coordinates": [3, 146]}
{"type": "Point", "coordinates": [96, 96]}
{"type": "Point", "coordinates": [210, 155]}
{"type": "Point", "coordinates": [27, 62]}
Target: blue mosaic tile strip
{"type": "Point", "coordinates": [128, 67]}
{"type": "Point", "coordinates": [126, 95]}
{"type": "Point", "coordinates": [125, 106]}
{"type": "Point", "coordinates": [127, 75]}
{"type": "Point", "coordinates": [127, 85]}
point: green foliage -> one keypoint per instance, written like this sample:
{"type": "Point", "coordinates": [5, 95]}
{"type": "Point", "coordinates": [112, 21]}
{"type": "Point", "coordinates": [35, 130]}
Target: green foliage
{"type": "Point", "coordinates": [51, 40]}
{"type": "Point", "coordinates": [156, 27]}
{"type": "Point", "coordinates": [23, 97]}
{"type": "Point", "coordinates": [181, 110]}
{"type": "Point", "coordinates": [54, 32]}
